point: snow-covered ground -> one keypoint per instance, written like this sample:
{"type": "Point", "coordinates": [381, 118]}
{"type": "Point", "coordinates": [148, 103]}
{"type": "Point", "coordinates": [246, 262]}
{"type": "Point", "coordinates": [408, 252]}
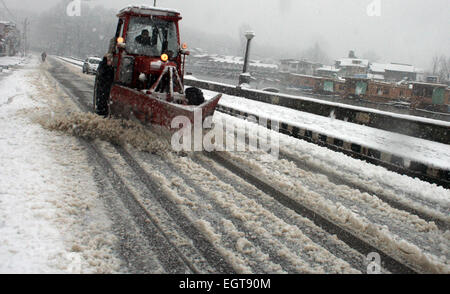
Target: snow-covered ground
{"type": "Point", "coordinates": [222, 211]}
{"type": "Point", "coordinates": [51, 217]}
{"type": "Point", "coordinates": [73, 61]}
{"type": "Point", "coordinates": [427, 198]}
{"type": "Point", "coordinates": [8, 61]}
{"type": "Point", "coordinates": [407, 147]}
{"type": "Point", "coordinates": [372, 219]}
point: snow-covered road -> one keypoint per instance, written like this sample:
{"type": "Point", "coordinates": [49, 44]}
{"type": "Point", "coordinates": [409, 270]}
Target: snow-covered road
{"type": "Point", "coordinates": [375, 181]}
{"type": "Point", "coordinates": [159, 211]}
{"type": "Point", "coordinates": [51, 217]}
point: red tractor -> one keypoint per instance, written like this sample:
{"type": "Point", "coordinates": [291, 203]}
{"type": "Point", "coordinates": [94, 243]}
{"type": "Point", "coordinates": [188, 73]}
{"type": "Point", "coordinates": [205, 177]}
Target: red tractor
{"type": "Point", "coordinates": [148, 70]}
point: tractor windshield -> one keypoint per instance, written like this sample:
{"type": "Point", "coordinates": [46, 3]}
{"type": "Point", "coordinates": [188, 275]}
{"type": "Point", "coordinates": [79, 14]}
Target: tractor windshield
{"type": "Point", "coordinates": [152, 37]}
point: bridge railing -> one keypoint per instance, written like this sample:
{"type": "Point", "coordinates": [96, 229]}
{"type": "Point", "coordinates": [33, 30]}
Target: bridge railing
{"type": "Point", "coordinates": [428, 129]}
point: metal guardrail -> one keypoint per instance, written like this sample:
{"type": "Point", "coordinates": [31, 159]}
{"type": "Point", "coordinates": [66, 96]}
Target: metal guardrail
{"type": "Point", "coordinates": [420, 128]}
{"type": "Point", "coordinates": [68, 61]}
{"type": "Point", "coordinates": [77, 59]}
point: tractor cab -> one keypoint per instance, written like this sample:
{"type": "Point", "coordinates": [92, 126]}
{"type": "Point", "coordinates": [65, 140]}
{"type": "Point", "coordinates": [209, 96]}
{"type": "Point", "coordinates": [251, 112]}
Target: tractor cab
{"type": "Point", "coordinates": [148, 45]}
{"type": "Point", "coordinates": [148, 63]}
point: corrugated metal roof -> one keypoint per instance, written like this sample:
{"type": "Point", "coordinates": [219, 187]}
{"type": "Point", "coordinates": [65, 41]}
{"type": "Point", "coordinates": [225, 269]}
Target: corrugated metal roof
{"type": "Point", "coordinates": [400, 67]}
{"type": "Point", "coordinates": [378, 67]}
{"type": "Point", "coordinates": [328, 68]}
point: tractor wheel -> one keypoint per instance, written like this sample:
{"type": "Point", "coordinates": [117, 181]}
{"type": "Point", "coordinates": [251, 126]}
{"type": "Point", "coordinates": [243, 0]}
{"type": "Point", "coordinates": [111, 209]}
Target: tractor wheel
{"type": "Point", "coordinates": [194, 96]}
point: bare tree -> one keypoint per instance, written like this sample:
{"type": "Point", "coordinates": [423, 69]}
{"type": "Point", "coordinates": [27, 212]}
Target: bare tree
{"type": "Point", "coordinates": [371, 55]}
{"type": "Point", "coordinates": [443, 69]}
{"type": "Point", "coordinates": [88, 34]}
{"type": "Point", "coordinates": [435, 64]}
{"type": "Point", "coordinates": [316, 54]}
{"type": "Point", "coordinates": [440, 66]}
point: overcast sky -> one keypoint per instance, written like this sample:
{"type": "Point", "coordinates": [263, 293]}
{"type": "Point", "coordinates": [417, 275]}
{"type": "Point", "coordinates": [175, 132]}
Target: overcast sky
{"type": "Point", "coordinates": [409, 31]}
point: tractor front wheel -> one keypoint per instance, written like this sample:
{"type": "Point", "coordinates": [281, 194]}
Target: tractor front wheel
{"type": "Point", "coordinates": [194, 96]}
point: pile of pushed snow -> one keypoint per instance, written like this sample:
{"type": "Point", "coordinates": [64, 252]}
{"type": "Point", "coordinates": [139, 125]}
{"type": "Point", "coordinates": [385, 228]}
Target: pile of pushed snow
{"type": "Point", "coordinates": [115, 131]}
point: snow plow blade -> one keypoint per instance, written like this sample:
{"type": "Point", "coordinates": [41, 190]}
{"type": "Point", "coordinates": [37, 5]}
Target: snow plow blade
{"type": "Point", "coordinates": [128, 103]}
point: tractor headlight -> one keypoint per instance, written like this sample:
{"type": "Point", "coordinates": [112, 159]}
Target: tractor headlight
{"type": "Point", "coordinates": [164, 57]}
{"type": "Point", "coordinates": [142, 77]}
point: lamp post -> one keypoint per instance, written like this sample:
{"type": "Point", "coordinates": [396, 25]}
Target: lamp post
{"type": "Point", "coordinates": [245, 77]}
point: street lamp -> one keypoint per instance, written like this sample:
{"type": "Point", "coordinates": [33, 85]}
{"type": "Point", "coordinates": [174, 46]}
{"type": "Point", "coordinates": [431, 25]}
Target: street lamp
{"type": "Point", "coordinates": [245, 77]}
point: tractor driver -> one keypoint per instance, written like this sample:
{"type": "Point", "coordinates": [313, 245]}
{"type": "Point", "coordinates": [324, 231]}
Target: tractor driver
{"type": "Point", "coordinates": [144, 38]}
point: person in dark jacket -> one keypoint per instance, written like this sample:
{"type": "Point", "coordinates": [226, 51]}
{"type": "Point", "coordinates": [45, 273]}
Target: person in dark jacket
{"type": "Point", "coordinates": [104, 81]}
{"type": "Point", "coordinates": [144, 38]}
{"type": "Point", "coordinates": [44, 56]}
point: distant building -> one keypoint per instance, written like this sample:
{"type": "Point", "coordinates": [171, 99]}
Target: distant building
{"type": "Point", "coordinates": [352, 67]}
{"type": "Point", "coordinates": [395, 72]}
{"type": "Point", "coordinates": [434, 97]}
{"type": "Point", "coordinates": [378, 69]}
{"type": "Point", "coordinates": [327, 71]}
{"type": "Point", "coordinates": [432, 79]}
{"type": "Point", "coordinates": [296, 66]}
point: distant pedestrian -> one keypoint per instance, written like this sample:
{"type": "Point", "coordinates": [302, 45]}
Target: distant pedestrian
{"type": "Point", "coordinates": [44, 56]}
{"type": "Point", "coordinates": [104, 81]}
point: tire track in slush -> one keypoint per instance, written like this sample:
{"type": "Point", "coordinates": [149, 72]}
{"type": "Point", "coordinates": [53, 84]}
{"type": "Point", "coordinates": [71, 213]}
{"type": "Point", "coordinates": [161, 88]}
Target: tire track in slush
{"type": "Point", "coordinates": [134, 165]}
{"type": "Point", "coordinates": [390, 263]}
{"type": "Point", "coordinates": [315, 233]}
{"type": "Point", "coordinates": [173, 262]}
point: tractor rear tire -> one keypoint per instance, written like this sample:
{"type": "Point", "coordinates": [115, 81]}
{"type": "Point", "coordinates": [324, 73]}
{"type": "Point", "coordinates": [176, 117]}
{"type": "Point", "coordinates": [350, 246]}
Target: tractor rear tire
{"type": "Point", "coordinates": [194, 96]}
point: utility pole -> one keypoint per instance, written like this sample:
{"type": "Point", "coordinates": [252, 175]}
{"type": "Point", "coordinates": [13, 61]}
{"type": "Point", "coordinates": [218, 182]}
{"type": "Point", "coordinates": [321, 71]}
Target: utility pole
{"type": "Point", "coordinates": [245, 77]}
{"type": "Point", "coordinates": [25, 35]}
